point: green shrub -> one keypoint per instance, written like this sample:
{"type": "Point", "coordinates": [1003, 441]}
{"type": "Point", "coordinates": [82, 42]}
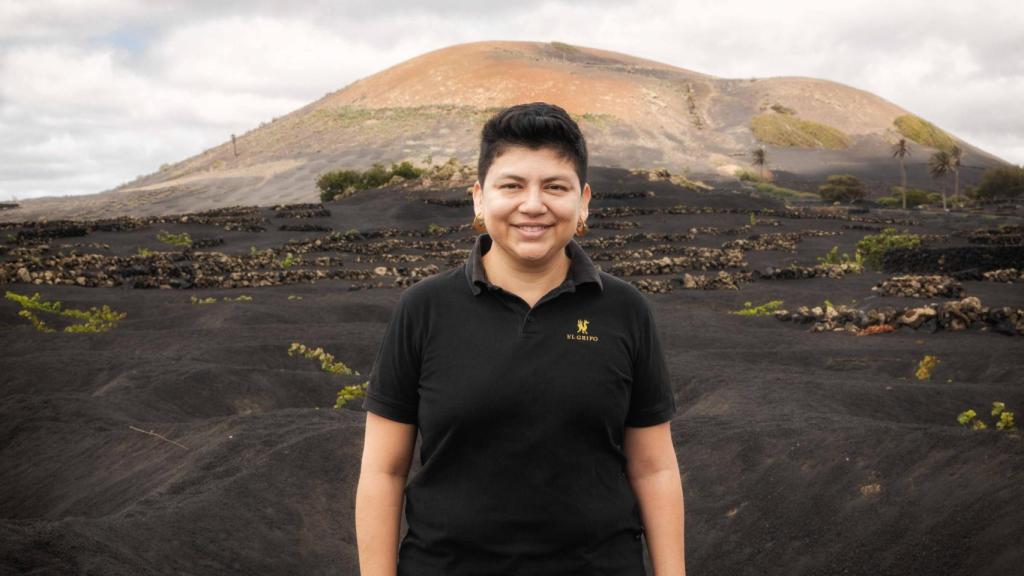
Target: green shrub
{"type": "Point", "coordinates": [926, 366]}
{"type": "Point", "coordinates": [93, 320]}
{"type": "Point", "coordinates": [1004, 417]}
{"type": "Point", "coordinates": [288, 261]}
{"type": "Point", "coordinates": [915, 196]}
{"type": "Point", "coordinates": [873, 246]}
{"type": "Point", "coordinates": [240, 298]}
{"type": "Point", "coordinates": [783, 109]}
{"type": "Point", "coordinates": [332, 184]}
{"type": "Point", "coordinates": [923, 132]}
{"type": "Point", "coordinates": [406, 170]}
{"type": "Point", "coordinates": [787, 130]}
{"type": "Point", "coordinates": [350, 392]}
{"type": "Point", "coordinates": [745, 175]}
{"type": "Point", "coordinates": [765, 309]}
{"type": "Point", "coordinates": [1001, 183]}
{"type": "Point", "coordinates": [891, 202]}
{"type": "Point", "coordinates": [842, 188]}
{"type": "Point", "coordinates": [341, 182]}
{"type": "Point", "coordinates": [833, 257]}
{"type": "Point", "coordinates": [182, 240]}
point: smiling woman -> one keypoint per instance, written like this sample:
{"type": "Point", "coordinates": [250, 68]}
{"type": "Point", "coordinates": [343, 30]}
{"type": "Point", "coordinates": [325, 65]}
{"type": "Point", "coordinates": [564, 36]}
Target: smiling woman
{"type": "Point", "coordinates": [531, 204]}
{"type": "Point", "coordinates": [537, 383]}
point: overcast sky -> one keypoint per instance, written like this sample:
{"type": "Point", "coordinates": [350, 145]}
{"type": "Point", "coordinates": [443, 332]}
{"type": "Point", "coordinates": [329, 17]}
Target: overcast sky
{"type": "Point", "coordinates": [96, 92]}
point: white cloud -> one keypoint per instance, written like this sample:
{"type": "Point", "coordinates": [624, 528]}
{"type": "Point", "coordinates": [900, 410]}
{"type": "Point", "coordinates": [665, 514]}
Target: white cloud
{"type": "Point", "coordinates": [93, 94]}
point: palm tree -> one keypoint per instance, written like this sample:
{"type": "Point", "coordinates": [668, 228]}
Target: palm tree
{"type": "Point", "coordinates": [939, 165]}
{"type": "Point", "coordinates": [955, 156]}
{"type": "Point", "coordinates": [759, 159]}
{"type": "Point", "coordinates": [901, 150]}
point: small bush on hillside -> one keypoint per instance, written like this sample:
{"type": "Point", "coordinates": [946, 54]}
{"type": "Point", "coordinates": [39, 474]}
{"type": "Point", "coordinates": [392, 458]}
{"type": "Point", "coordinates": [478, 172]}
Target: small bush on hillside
{"type": "Point", "coordinates": [873, 246]}
{"type": "Point", "coordinates": [842, 188]}
{"type": "Point", "coordinates": [344, 182]}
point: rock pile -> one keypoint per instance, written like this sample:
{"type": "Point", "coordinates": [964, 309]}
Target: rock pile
{"type": "Point", "coordinates": [914, 286]}
{"type": "Point", "coordinates": [952, 316]}
{"type": "Point", "coordinates": [721, 281]}
{"type": "Point", "coordinates": [652, 286]}
{"type": "Point", "coordinates": [1008, 275]}
{"type": "Point", "coordinates": [978, 259]}
{"type": "Point", "coordinates": [301, 211]}
{"type": "Point", "coordinates": [796, 272]}
{"type": "Point", "coordinates": [241, 218]}
{"type": "Point", "coordinates": [186, 269]}
{"type": "Point", "coordinates": [1006, 235]}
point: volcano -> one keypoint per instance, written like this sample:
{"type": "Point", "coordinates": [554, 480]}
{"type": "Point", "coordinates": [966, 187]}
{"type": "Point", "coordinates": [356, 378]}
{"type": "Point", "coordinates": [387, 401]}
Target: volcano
{"type": "Point", "coordinates": [635, 113]}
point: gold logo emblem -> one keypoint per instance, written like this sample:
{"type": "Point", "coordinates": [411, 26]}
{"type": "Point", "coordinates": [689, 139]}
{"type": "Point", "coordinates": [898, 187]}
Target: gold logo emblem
{"type": "Point", "coordinates": [582, 327]}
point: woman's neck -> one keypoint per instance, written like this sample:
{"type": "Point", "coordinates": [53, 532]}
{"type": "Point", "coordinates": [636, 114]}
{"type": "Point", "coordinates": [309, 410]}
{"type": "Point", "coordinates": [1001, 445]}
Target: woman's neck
{"type": "Point", "coordinates": [528, 282]}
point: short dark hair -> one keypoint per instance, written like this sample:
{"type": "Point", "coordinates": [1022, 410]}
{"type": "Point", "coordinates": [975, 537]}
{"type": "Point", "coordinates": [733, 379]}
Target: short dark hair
{"type": "Point", "coordinates": [535, 125]}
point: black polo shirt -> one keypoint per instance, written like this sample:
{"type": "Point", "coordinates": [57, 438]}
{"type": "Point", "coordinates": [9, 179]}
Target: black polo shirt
{"type": "Point", "coordinates": [522, 412]}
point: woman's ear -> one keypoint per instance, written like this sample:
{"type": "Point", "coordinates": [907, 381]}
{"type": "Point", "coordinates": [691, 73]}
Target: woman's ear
{"type": "Point", "coordinates": [478, 199]}
{"type": "Point", "coordinates": [585, 202]}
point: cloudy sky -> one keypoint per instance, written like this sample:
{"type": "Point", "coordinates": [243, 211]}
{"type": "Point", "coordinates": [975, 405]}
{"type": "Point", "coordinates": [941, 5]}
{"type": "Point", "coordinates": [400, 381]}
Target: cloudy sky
{"type": "Point", "coordinates": [96, 92]}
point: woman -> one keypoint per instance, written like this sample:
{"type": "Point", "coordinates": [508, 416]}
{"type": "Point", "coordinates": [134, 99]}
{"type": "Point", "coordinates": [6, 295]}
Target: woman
{"type": "Point", "coordinates": [538, 386]}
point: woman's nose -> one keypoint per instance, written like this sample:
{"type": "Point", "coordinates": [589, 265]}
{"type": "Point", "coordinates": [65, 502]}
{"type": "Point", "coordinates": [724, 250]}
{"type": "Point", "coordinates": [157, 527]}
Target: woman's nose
{"type": "Point", "coordinates": [534, 201]}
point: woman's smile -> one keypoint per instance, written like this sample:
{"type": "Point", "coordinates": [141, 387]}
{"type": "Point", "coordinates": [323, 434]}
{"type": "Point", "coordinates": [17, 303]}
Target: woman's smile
{"type": "Point", "coordinates": [532, 230]}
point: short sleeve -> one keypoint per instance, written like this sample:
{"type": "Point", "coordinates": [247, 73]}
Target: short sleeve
{"type": "Point", "coordinates": [651, 400]}
{"type": "Point", "coordinates": [393, 389]}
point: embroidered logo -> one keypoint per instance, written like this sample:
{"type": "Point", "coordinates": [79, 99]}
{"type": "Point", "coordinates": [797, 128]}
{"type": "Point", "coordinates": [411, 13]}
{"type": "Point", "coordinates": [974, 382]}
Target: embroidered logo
{"type": "Point", "coordinates": [582, 327]}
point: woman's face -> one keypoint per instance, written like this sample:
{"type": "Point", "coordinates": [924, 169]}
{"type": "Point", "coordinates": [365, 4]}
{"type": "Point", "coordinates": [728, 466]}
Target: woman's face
{"type": "Point", "coordinates": [530, 203]}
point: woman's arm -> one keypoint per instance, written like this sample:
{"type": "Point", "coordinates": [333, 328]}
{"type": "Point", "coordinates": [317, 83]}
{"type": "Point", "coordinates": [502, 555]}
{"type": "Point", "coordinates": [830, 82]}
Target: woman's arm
{"type": "Point", "coordinates": [654, 474]}
{"type": "Point", "coordinates": [387, 456]}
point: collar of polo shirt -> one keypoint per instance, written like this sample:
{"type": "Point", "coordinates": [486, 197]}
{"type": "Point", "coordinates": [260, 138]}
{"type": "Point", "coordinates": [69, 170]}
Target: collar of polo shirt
{"type": "Point", "coordinates": [581, 268]}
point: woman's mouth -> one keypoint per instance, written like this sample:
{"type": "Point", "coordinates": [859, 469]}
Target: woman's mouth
{"type": "Point", "coordinates": [532, 229]}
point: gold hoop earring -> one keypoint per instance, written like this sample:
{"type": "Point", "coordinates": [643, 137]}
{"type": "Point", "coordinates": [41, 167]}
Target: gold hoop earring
{"type": "Point", "coordinates": [478, 224]}
{"type": "Point", "coordinates": [581, 228]}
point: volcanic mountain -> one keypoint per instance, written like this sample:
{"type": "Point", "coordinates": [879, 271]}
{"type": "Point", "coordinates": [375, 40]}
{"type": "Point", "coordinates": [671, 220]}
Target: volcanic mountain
{"type": "Point", "coordinates": [635, 113]}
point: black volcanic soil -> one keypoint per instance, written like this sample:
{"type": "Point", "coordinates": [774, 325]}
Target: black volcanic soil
{"type": "Point", "coordinates": [801, 452]}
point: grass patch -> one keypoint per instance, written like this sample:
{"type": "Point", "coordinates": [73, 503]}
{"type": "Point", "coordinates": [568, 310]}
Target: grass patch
{"type": "Point", "coordinates": [93, 320]}
{"type": "Point", "coordinates": [785, 193]}
{"type": "Point", "coordinates": [788, 130]}
{"type": "Point", "coordinates": [923, 132]}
